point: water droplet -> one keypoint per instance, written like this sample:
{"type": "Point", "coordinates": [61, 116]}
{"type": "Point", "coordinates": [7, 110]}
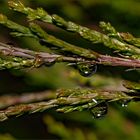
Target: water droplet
{"type": "Point", "coordinates": [124, 103]}
{"type": "Point", "coordinates": [86, 69]}
{"type": "Point", "coordinates": [95, 101]}
{"type": "Point", "coordinates": [99, 110]}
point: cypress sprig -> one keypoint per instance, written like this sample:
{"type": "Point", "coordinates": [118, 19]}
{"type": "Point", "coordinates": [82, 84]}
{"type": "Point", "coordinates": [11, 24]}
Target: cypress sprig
{"type": "Point", "coordinates": [64, 100]}
{"type": "Point", "coordinates": [86, 33]}
{"type": "Point", "coordinates": [85, 60]}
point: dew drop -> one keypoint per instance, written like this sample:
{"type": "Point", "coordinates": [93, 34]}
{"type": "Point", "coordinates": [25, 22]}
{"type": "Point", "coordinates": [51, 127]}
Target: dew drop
{"type": "Point", "coordinates": [124, 105]}
{"type": "Point", "coordinates": [125, 102]}
{"type": "Point", "coordinates": [87, 70]}
{"type": "Point", "coordinates": [99, 110]}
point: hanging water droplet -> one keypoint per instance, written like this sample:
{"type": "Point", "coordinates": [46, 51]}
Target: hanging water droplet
{"type": "Point", "coordinates": [86, 69]}
{"type": "Point", "coordinates": [99, 110]}
{"type": "Point", "coordinates": [124, 103]}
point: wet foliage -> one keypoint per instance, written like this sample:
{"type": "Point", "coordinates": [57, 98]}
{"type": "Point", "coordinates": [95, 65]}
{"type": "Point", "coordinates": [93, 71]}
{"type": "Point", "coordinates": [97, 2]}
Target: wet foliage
{"type": "Point", "coordinates": [93, 120]}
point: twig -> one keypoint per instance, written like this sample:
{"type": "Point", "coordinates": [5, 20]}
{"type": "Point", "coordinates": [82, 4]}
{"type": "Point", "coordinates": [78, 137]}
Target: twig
{"type": "Point", "coordinates": [9, 100]}
{"type": "Point", "coordinates": [28, 58]}
{"type": "Point", "coordinates": [129, 38]}
{"type": "Point", "coordinates": [31, 58]}
{"type": "Point", "coordinates": [67, 100]}
{"type": "Point", "coordinates": [132, 86]}
{"type": "Point", "coordinates": [8, 50]}
{"type": "Point", "coordinates": [64, 100]}
{"type": "Point", "coordinates": [88, 34]}
{"type": "Point", "coordinates": [40, 34]}
{"type": "Point", "coordinates": [64, 46]}
{"type": "Point", "coordinates": [125, 37]}
{"type": "Point", "coordinates": [22, 58]}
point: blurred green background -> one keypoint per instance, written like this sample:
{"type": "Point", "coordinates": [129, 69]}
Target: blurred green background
{"type": "Point", "coordinates": [120, 123]}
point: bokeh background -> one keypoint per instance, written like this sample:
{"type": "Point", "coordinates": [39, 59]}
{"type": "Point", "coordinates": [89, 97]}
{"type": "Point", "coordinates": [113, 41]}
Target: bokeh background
{"type": "Point", "coordinates": [120, 122]}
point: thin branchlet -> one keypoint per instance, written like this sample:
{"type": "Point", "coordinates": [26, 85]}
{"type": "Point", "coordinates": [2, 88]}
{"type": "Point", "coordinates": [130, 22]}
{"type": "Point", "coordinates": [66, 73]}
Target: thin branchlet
{"type": "Point", "coordinates": [116, 43]}
{"type": "Point", "coordinates": [21, 58]}
{"type": "Point", "coordinates": [63, 100]}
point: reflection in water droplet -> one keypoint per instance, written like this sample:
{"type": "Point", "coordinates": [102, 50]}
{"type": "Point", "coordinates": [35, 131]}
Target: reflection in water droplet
{"type": "Point", "coordinates": [99, 110]}
{"type": "Point", "coordinates": [124, 103]}
{"type": "Point", "coordinates": [87, 70]}
{"type": "Point", "coordinates": [95, 101]}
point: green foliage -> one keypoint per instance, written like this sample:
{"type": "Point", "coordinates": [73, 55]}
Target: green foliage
{"type": "Point", "coordinates": [103, 70]}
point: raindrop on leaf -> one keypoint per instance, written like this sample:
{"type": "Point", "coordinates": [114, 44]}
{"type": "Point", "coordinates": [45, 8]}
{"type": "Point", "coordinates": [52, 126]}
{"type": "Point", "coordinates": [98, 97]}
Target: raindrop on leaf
{"type": "Point", "coordinates": [86, 69]}
{"type": "Point", "coordinates": [99, 110]}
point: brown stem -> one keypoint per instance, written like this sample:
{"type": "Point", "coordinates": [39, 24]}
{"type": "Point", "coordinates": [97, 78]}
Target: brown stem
{"type": "Point", "coordinates": [66, 98]}
{"type": "Point", "coordinates": [44, 57]}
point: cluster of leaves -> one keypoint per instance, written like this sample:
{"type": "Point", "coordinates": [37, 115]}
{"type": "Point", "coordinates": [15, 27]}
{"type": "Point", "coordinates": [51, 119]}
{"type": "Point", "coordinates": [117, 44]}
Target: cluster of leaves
{"type": "Point", "coordinates": [124, 51]}
{"type": "Point", "coordinates": [124, 45]}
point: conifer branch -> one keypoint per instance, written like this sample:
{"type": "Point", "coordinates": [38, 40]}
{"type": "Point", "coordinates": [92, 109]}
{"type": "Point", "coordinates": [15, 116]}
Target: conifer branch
{"type": "Point", "coordinates": [63, 100]}
{"type": "Point", "coordinates": [22, 58]}
{"type": "Point", "coordinates": [93, 36]}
